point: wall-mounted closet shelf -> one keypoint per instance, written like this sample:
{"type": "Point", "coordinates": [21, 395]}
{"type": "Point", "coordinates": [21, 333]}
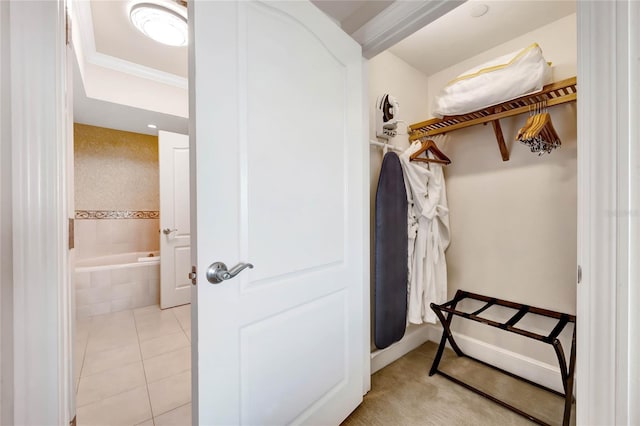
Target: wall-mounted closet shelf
{"type": "Point", "coordinates": [557, 93]}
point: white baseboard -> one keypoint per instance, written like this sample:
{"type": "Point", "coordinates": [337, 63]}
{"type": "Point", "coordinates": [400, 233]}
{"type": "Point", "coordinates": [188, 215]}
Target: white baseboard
{"type": "Point", "coordinates": [524, 366]}
{"type": "Point", "coordinates": [413, 337]}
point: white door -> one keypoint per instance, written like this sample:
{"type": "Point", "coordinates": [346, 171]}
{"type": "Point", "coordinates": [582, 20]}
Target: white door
{"type": "Point", "coordinates": [175, 233]}
{"type": "Point", "coordinates": [276, 94]}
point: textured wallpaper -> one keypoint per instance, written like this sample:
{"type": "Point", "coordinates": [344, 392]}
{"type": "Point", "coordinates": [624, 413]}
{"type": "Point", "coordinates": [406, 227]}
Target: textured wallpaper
{"type": "Point", "coordinates": [115, 170]}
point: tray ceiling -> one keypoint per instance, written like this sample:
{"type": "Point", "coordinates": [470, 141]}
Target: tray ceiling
{"type": "Point", "coordinates": [115, 36]}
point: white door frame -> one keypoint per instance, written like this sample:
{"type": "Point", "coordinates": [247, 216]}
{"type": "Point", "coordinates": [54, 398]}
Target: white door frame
{"type": "Point", "coordinates": [608, 188]}
{"type": "Point", "coordinates": [609, 213]}
{"type": "Point", "coordinates": [6, 246]}
{"type": "Point", "coordinates": [42, 392]}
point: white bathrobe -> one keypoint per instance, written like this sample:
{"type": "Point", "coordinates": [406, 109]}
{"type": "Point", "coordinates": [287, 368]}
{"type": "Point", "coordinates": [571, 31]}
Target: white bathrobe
{"type": "Point", "coordinates": [428, 229]}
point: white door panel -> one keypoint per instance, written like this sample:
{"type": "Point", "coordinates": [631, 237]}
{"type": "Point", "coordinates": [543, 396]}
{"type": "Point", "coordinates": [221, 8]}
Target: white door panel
{"type": "Point", "coordinates": [305, 373]}
{"type": "Point", "coordinates": [175, 246]}
{"type": "Point", "coordinates": [279, 155]}
{"type": "Point", "coordinates": [180, 205]}
{"type": "Point", "coordinates": [181, 268]}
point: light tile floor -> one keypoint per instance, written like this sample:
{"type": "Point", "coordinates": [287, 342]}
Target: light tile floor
{"type": "Point", "coordinates": [134, 368]}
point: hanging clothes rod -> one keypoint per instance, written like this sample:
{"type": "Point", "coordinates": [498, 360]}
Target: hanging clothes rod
{"type": "Point", "coordinates": [382, 145]}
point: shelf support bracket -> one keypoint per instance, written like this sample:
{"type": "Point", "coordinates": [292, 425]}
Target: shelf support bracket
{"type": "Point", "coordinates": [504, 151]}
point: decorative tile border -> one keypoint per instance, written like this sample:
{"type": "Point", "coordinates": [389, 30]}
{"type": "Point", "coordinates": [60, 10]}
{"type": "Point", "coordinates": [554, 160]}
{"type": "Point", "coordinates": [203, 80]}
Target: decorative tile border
{"type": "Point", "coordinates": [115, 214]}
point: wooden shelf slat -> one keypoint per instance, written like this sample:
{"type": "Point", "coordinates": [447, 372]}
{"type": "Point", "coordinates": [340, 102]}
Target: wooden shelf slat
{"type": "Point", "coordinates": [417, 133]}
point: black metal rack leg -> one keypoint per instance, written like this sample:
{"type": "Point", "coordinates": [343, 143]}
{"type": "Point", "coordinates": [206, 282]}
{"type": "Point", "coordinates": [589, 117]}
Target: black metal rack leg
{"type": "Point", "coordinates": [569, 391]}
{"type": "Point", "coordinates": [564, 371]}
{"type": "Point", "coordinates": [446, 335]}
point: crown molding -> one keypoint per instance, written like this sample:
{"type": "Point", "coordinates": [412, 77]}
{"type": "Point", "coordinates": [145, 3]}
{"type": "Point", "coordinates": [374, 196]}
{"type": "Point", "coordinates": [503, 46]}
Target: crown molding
{"type": "Point", "coordinates": [137, 70]}
{"type": "Point", "coordinates": [84, 21]}
{"type": "Point", "coordinates": [399, 20]}
{"type": "Point", "coordinates": [92, 56]}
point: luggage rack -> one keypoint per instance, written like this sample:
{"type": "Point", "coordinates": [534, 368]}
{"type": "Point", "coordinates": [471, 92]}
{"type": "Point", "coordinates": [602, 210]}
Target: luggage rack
{"type": "Point", "coordinates": [567, 372]}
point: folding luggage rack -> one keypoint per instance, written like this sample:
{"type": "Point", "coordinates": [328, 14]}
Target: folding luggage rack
{"type": "Point", "coordinates": [566, 372]}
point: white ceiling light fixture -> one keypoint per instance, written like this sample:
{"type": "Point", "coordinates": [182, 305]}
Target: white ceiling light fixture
{"type": "Point", "coordinates": [478, 10]}
{"type": "Point", "coordinates": [160, 22]}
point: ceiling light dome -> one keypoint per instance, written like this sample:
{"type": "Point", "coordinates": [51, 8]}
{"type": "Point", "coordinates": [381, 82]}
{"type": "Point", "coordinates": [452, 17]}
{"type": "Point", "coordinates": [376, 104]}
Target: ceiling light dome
{"type": "Point", "coordinates": [161, 23]}
{"type": "Point", "coordinates": [478, 10]}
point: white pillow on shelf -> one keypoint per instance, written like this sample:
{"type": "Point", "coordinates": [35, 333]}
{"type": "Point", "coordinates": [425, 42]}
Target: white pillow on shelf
{"type": "Point", "coordinates": [502, 79]}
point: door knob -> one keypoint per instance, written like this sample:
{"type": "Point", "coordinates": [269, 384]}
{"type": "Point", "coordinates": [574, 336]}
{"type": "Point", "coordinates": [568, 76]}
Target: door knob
{"type": "Point", "coordinates": [167, 231]}
{"type": "Point", "coordinates": [217, 271]}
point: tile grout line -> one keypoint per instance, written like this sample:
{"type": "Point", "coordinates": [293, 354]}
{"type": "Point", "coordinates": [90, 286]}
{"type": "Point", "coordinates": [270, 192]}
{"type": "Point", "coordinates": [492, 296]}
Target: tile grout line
{"type": "Point", "coordinates": [180, 323]}
{"type": "Point", "coordinates": [135, 323]}
{"type": "Point", "coordinates": [114, 348]}
{"type": "Point", "coordinates": [113, 368]}
{"type": "Point", "coordinates": [168, 411]}
{"type": "Point", "coordinates": [104, 371]}
{"type": "Point", "coordinates": [166, 353]}
{"type": "Point", "coordinates": [146, 383]}
{"type": "Point", "coordinates": [173, 311]}
{"type": "Point", "coordinates": [84, 357]}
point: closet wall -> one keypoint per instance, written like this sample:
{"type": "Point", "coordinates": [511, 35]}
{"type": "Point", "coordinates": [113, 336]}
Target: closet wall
{"type": "Point", "coordinates": [389, 74]}
{"type": "Point", "coordinates": [513, 224]}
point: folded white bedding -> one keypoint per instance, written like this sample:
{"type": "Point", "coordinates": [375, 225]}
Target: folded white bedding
{"type": "Point", "coordinates": [500, 80]}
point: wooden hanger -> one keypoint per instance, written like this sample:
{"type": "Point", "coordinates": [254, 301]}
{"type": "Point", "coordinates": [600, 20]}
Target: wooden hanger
{"type": "Point", "coordinates": [429, 145]}
{"type": "Point", "coordinates": [528, 123]}
{"type": "Point", "coordinates": [552, 131]}
{"type": "Point", "coordinates": [539, 123]}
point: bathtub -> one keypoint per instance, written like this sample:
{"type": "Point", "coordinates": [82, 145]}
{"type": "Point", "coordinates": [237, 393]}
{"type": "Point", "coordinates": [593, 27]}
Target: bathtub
{"type": "Point", "coordinates": [116, 282]}
{"type": "Point", "coordinates": [123, 260]}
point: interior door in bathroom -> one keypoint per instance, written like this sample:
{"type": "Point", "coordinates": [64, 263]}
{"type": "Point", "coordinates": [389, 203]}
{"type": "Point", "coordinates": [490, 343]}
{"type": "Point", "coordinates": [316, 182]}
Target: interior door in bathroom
{"type": "Point", "coordinates": [278, 150]}
{"type": "Point", "coordinates": [175, 232]}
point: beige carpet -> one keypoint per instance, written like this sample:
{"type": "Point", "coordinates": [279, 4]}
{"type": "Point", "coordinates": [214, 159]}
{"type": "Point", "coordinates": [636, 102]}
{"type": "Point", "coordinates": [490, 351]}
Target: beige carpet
{"type": "Point", "coordinates": [403, 394]}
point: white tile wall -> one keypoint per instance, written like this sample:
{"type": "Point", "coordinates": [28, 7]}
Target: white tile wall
{"type": "Point", "coordinates": [118, 289]}
{"type": "Point", "coordinates": [102, 292]}
{"type": "Point", "coordinates": [102, 237]}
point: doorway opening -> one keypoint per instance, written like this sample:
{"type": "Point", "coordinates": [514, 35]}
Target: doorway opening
{"type": "Point", "coordinates": [512, 223]}
{"type": "Point", "coordinates": [132, 349]}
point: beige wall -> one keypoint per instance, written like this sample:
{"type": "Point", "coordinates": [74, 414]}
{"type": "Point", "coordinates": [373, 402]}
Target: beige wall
{"type": "Point", "coordinates": [389, 74]}
{"type": "Point", "coordinates": [513, 224]}
{"type": "Point", "coordinates": [115, 170]}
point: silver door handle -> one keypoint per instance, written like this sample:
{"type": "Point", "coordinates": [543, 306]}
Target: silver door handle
{"type": "Point", "coordinates": [167, 231]}
{"type": "Point", "coordinates": [217, 271]}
